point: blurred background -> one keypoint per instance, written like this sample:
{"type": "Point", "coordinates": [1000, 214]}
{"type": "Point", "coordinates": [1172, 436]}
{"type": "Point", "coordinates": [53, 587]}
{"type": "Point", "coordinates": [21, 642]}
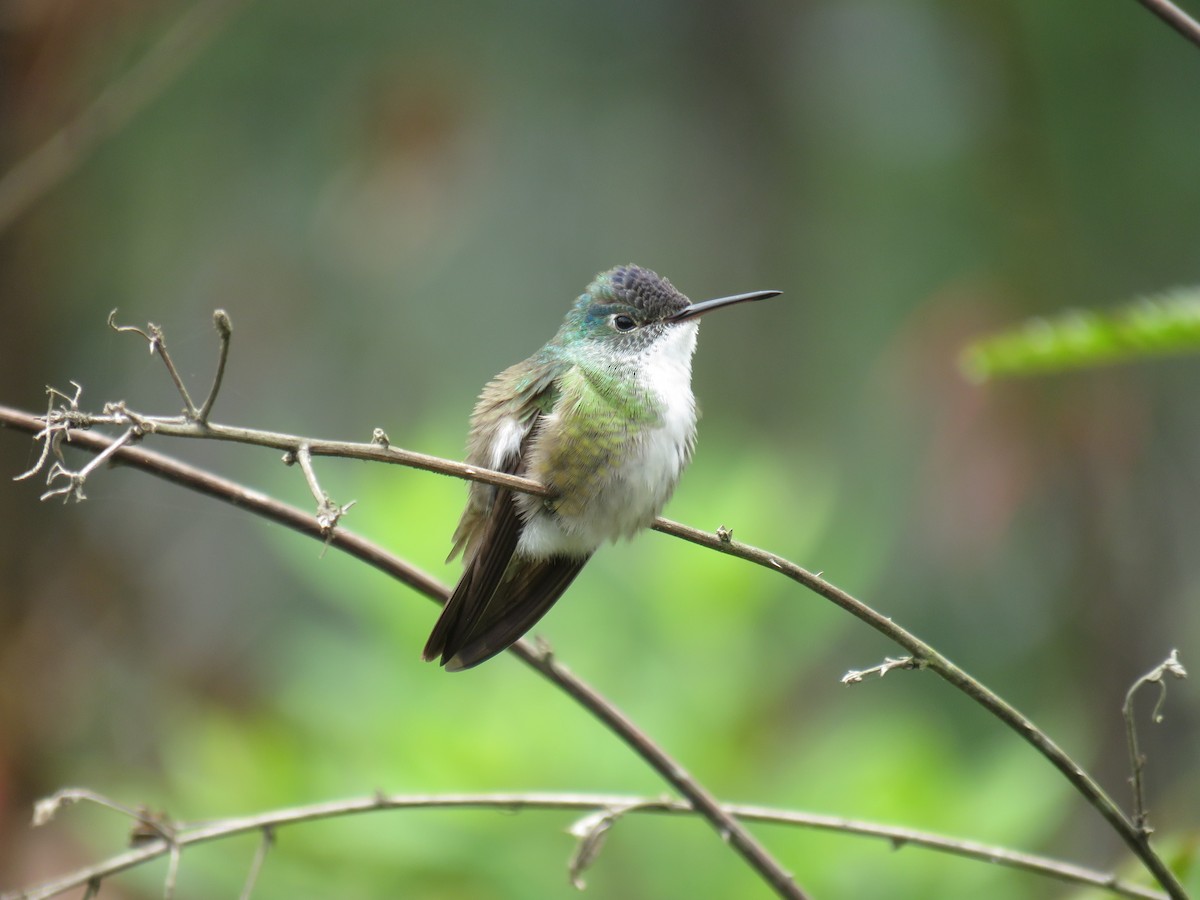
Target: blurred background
{"type": "Point", "coordinates": [396, 201]}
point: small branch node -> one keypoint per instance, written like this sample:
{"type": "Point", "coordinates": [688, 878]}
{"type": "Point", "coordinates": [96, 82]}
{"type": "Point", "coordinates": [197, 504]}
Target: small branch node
{"type": "Point", "coordinates": [151, 825]}
{"type": "Point", "coordinates": [543, 649]}
{"type": "Point", "coordinates": [119, 412]}
{"type": "Point", "coordinates": [223, 323]}
{"type": "Point", "coordinates": [328, 512]}
{"type": "Point", "coordinates": [854, 676]}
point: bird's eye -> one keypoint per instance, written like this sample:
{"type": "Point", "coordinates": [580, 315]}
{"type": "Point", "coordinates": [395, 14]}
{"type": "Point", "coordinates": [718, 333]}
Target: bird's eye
{"type": "Point", "coordinates": [624, 323]}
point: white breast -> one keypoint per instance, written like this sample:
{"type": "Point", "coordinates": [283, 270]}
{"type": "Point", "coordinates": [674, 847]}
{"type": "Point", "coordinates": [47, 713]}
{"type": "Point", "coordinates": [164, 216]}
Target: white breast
{"type": "Point", "coordinates": [665, 450]}
{"type": "Point", "coordinates": [648, 475]}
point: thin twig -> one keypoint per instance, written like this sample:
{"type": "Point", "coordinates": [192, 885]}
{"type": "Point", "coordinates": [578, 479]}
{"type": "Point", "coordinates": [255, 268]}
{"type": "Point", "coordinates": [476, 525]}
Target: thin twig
{"type": "Point", "coordinates": [158, 344]}
{"type": "Point", "coordinates": [147, 824]}
{"type": "Point", "coordinates": [205, 482]}
{"type": "Point", "coordinates": [927, 657]}
{"type": "Point", "coordinates": [256, 864]}
{"type": "Point", "coordinates": [374, 451]}
{"type": "Point", "coordinates": [856, 676]}
{"type": "Point", "coordinates": [188, 835]}
{"type": "Point", "coordinates": [74, 486]}
{"type": "Point", "coordinates": [1170, 666]}
{"type": "Point", "coordinates": [52, 439]}
{"type": "Point", "coordinates": [1175, 17]}
{"type": "Point", "coordinates": [224, 328]}
{"type": "Point", "coordinates": [172, 877]}
{"type": "Point", "coordinates": [328, 512]}
{"type": "Point", "coordinates": [45, 167]}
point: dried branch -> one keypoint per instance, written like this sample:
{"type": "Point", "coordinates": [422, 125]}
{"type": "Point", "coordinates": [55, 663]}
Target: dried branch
{"type": "Point", "coordinates": [926, 657]}
{"type": "Point", "coordinates": [856, 676]}
{"type": "Point", "coordinates": [543, 662]}
{"type": "Point", "coordinates": [51, 436]}
{"type": "Point", "coordinates": [1176, 18]}
{"type": "Point", "coordinates": [225, 333]}
{"type": "Point", "coordinates": [922, 653]}
{"type": "Point", "coordinates": [61, 422]}
{"type": "Point", "coordinates": [1170, 666]}
{"type": "Point", "coordinates": [157, 340]}
{"type": "Point", "coordinates": [328, 512]}
{"type": "Point", "coordinates": [260, 856]}
{"type": "Point", "coordinates": [602, 808]}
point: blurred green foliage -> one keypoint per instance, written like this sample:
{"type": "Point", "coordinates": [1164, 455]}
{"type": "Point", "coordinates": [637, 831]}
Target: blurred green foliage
{"type": "Point", "coordinates": [1149, 328]}
{"type": "Point", "coordinates": [396, 201]}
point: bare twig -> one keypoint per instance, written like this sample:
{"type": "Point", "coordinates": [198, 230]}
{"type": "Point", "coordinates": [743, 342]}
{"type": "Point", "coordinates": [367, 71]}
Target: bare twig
{"type": "Point", "coordinates": [44, 168]}
{"type": "Point", "coordinates": [854, 676]}
{"type": "Point", "coordinates": [591, 832]}
{"type": "Point", "coordinates": [158, 344]}
{"type": "Point", "coordinates": [924, 655]}
{"type": "Point", "coordinates": [599, 805]}
{"type": "Point", "coordinates": [1175, 17]}
{"type": "Point", "coordinates": [73, 489]}
{"type": "Point", "coordinates": [47, 808]}
{"type": "Point", "coordinates": [204, 482]}
{"type": "Point", "coordinates": [328, 512]}
{"type": "Point", "coordinates": [1170, 666]}
{"type": "Point", "coordinates": [50, 436]}
{"type": "Point", "coordinates": [260, 855]}
{"type": "Point", "coordinates": [70, 420]}
{"type": "Point", "coordinates": [927, 657]}
{"type": "Point", "coordinates": [224, 328]}
{"type": "Point", "coordinates": [172, 876]}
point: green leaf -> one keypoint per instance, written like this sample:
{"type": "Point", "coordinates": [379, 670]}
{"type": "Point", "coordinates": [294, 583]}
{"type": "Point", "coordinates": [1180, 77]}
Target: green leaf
{"type": "Point", "coordinates": [1150, 327]}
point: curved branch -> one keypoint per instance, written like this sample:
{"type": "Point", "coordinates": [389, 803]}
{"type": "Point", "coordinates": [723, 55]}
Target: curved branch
{"type": "Point", "coordinates": [925, 656]}
{"type": "Point", "coordinates": [704, 803]}
{"type": "Point", "coordinates": [184, 834]}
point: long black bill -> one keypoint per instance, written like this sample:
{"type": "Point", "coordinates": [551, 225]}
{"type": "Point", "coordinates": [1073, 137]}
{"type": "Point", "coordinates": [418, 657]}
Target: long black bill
{"type": "Point", "coordinates": [698, 309]}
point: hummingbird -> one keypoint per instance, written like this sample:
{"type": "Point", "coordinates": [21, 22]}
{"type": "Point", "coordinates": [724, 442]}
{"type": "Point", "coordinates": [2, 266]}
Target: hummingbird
{"type": "Point", "coordinates": [604, 417]}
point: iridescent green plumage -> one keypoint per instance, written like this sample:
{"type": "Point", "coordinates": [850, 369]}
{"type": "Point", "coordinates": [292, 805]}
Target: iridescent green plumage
{"type": "Point", "coordinates": [603, 416]}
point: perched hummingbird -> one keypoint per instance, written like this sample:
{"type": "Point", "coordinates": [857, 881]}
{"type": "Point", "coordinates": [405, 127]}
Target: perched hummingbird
{"type": "Point", "coordinates": [604, 417]}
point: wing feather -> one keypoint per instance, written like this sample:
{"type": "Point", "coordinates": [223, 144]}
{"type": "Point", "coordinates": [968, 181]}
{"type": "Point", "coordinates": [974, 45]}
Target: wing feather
{"type": "Point", "coordinates": [491, 524]}
{"type": "Point", "coordinates": [515, 607]}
